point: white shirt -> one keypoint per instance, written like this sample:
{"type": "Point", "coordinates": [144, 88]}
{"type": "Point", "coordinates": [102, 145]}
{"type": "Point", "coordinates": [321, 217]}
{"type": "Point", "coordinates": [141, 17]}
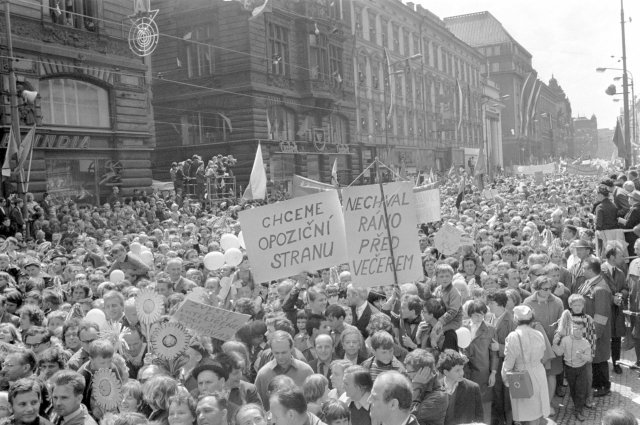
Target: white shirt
{"type": "Point", "coordinates": [360, 309]}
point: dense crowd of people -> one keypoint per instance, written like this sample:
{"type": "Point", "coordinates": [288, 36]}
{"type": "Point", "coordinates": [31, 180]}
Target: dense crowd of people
{"type": "Point", "coordinates": [496, 333]}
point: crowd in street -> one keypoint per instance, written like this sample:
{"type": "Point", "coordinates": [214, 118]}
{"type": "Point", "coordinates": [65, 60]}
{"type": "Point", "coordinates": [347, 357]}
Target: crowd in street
{"type": "Point", "coordinates": [496, 333]}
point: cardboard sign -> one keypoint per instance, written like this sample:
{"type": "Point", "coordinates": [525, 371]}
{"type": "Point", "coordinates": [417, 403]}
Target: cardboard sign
{"type": "Point", "coordinates": [370, 259]}
{"type": "Point", "coordinates": [538, 177]}
{"type": "Point", "coordinates": [210, 321]}
{"type": "Point", "coordinates": [302, 234]}
{"type": "Point", "coordinates": [427, 204]}
{"type": "Point", "coordinates": [449, 239]}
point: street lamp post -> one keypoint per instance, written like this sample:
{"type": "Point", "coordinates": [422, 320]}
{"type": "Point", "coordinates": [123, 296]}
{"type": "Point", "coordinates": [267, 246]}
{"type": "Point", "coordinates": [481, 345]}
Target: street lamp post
{"type": "Point", "coordinates": [633, 108]}
{"type": "Point", "coordinates": [388, 71]}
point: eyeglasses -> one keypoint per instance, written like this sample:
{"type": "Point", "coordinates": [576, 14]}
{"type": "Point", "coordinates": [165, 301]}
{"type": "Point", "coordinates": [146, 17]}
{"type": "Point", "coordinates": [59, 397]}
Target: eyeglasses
{"type": "Point", "coordinates": [546, 289]}
{"type": "Point", "coordinates": [87, 341]}
{"type": "Point", "coordinates": [34, 345]}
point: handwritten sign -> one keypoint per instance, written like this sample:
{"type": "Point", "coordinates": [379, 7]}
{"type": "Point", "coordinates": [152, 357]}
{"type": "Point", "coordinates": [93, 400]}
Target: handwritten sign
{"type": "Point", "coordinates": [449, 239]}
{"type": "Point", "coordinates": [302, 234]}
{"type": "Point", "coordinates": [210, 321]}
{"type": "Point", "coordinates": [538, 177]}
{"type": "Point", "coordinates": [427, 204]}
{"type": "Point", "coordinates": [368, 243]}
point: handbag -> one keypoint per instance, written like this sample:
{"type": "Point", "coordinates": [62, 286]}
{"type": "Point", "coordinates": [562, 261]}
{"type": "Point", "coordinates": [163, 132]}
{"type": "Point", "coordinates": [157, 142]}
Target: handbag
{"type": "Point", "coordinates": [520, 385]}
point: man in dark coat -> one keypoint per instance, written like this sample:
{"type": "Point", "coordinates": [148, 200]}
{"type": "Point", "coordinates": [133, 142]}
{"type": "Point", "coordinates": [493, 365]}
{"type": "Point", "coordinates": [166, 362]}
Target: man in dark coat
{"type": "Point", "coordinates": [598, 302]}
{"type": "Point", "coordinates": [606, 211]}
{"type": "Point", "coordinates": [615, 278]}
{"type": "Point", "coordinates": [631, 220]}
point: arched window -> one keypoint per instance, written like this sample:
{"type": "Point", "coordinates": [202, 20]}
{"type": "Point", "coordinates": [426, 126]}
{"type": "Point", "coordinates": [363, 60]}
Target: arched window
{"type": "Point", "coordinates": [66, 101]}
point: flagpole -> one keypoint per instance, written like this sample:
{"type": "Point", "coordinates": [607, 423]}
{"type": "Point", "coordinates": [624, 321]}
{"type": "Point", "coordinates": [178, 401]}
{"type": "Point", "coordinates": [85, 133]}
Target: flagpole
{"type": "Point", "coordinates": [13, 92]}
{"type": "Point", "coordinates": [29, 169]}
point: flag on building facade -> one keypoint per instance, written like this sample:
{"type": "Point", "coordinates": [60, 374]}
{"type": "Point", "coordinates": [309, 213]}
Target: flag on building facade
{"type": "Point", "coordinates": [334, 173]}
{"type": "Point", "coordinates": [25, 148]}
{"type": "Point", "coordinates": [12, 149]}
{"type": "Point", "coordinates": [257, 187]}
{"type": "Point", "coordinates": [618, 140]}
{"type": "Point", "coordinates": [459, 103]}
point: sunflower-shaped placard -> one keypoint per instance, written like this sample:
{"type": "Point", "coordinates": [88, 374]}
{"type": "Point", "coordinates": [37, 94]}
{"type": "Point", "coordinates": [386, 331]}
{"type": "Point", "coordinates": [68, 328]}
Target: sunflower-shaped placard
{"type": "Point", "coordinates": [149, 306]}
{"type": "Point", "coordinates": [106, 389]}
{"type": "Point", "coordinates": [169, 340]}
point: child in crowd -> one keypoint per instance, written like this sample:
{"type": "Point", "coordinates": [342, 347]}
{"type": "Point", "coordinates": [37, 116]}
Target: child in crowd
{"type": "Point", "coordinates": [316, 392]}
{"type": "Point", "coordinates": [383, 359]}
{"type": "Point", "coordinates": [335, 412]}
{"type": "Point", "coordinates": [452, 319]}
{"type": "Point", "coordinates": [577, 357]}
{"type": "Point", "coordinates": [432, 310]}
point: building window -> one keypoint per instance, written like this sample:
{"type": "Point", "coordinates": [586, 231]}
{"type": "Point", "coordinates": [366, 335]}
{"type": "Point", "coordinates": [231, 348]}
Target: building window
{"type": "Point", "coordinates": [384, 32]}
{"type": "Point", "coordinates": [372, 28]}
{"type": "Point", "coordinates": [282, 123]}
{"type": "Point", "coordinates": [334, 9]}
{"type": "Point", "coordinates": [405, 42]}
{"type": "Point", "coordinates": [396, 38]}
{"type": "Point", "coordinates": [375, 74]}
{"type": "Point", "coordinates": [335, 64]}
{"type": "Point", "coordinates": [416, 44]}
{"type": "Point", "coordinates": [77, 103]}
{"type": "Point", "coordinates": [339, 130]}
{"type": "Point", "coordinates": [78, 14]}
{"type": "Point", "coordinates": [202, 128]}
{"type": "Point", "coordinates": [358, 23]}
{"type": "Point", "coordinates": [199, 51]}
{"type": "Point", "coordinates": [318, 60]}
{"type": "Point", "coordinates": [278, 52]}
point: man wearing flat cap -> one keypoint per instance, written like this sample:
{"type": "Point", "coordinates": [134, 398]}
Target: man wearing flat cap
{"type": "Point", "coordinates": [583, 251]}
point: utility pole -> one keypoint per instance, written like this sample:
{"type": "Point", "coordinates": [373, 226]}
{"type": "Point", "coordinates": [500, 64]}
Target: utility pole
{"type": "Point", "coordinates": [13, 94]}
{"type": "Point", "coordinates": [625, 93]}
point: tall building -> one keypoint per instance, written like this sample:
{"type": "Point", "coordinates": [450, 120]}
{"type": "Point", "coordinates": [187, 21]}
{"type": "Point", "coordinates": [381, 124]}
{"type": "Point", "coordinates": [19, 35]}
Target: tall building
{"type": "Point", "coordinates": [605, 143]}
{"type": "Point", "coordinates": [92, 109]}
{"type": "Point", "coordinates": [233, 74]}
{"type": "Point", "coordinates": [586, 137]}
{"type": "Point", "coordinates": [418, 88]}
{"type": "Point", "coordinates": [536, 121]}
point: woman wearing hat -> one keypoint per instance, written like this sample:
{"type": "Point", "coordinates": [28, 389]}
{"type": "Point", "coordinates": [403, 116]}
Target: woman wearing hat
{"type": "Point", "coordinates": [524, 350]}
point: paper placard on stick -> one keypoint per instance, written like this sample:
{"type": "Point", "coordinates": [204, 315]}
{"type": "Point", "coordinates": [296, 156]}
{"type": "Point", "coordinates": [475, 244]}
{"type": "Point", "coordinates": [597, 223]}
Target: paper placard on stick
{"type": "Point", "coordinates": [427, 204]}
{"type": "Point", "coordinates": [302, 234]}
{"type": "Point", "coordinates": [210, 321]}
{"type": "Point", "coordinates": [370, 260]}
{"type": "Point", "coordinates": [538, 177]}
{"type": "Point", "coordinates": [448, 239]}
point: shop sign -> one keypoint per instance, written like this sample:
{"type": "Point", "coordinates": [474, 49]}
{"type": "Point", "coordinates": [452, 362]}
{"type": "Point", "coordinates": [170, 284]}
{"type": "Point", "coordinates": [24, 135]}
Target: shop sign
{"type": "Point", "coordinates": [55, 141]}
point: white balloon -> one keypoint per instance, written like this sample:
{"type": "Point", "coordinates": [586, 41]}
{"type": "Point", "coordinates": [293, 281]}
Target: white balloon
{"type": "Point", "coordinates": [147, 257]}
{"type": "Point", "coordinates": [97, 316]}
{"type": "Point", "coordinates": [241, 240]}
{"type": "Point", "coordinates": [116, 276]}
{"type": "Point", "coordinates": [233, 256]}
{"type": "Point", "coordinates": [214, 260]}
{"type": "Point", "coordinates": [136, 248]}
{"type": "Point", "coordinates": [229, 240]}
{"type": "Point", "coordinates": [464, 337]}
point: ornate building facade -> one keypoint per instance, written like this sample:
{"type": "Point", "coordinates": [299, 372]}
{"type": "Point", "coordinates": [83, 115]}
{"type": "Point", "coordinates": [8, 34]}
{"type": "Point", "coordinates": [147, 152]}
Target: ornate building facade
{"type": "Point", "coordinates": [92, 112]}
{"type": "Point", "coordinates": [234, 74]}
{"type": "Point", "coordinates": [417, 87]}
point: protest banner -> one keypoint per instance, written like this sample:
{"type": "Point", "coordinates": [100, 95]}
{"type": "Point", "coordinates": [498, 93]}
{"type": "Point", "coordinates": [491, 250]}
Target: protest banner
{"type": "Point", "coordinates": [427, 204]}
{"type": "Point", "coordinates": [532, 169]}
{"type": "Point", "coordinates": [582, 170]}
{"type": "Point", "coordinates": [302, 234]}
{"type": "Point", "coordinates": [368, 244]}
{"type": "Point", "coordinates": [210, 321]}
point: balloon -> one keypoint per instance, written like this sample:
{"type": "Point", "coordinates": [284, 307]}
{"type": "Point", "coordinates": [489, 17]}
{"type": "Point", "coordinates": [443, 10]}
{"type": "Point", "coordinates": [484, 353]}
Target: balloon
{"type": "Point", "coordinates": [214, 260]}
{"type": "Point", "coordinates": [241, 240]}
{"type": "Point", "coordinates": [116, 276]}
{"type": "Point", "coordinates": [147, 257]}
{"type": "Point", "coordinates": [136, 248]}
{"type": "Point", "coordinates": [464, 337]}
{"type": "Point", "coordinates": [233, 256]}
{"type": "Point", "coordinates": [97, 316]}
{"type": "Point", "coordinates": [229, 240]}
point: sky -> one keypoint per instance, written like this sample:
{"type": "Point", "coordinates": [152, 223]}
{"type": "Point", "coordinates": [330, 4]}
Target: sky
{"type": "Point", "coordinates": [568, 39]}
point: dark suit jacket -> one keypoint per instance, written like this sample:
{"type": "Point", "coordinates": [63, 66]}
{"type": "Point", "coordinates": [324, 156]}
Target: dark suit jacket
{"type": "Point", "coordinates": [363, 321]}
{"type": "Point", "coordinates": [314, 365]}
{"type": "Point", "coordinates": [617, 284]}
{"type": "Point", "coordinates": [633, 219]}
{"type": "Point", "coordinates": [606, 215]}
{"type": "Point", "coordinates": [465, 404]}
